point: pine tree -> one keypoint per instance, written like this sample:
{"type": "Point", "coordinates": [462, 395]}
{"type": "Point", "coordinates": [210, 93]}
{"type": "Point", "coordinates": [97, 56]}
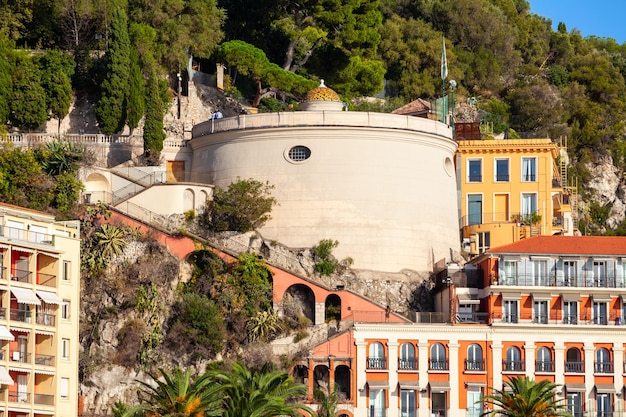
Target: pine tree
{"type": "Point", "coordinates": [57, 69]}
{"type": "Point", "coordinates": [111, 110]}
{"type": "Point", "coordinates": [6, 84]}
{"type": "Point", "coordinates": [136, 92]}
{"type": "Point", "coordinates": [28, 101]}
{"type": "Point", "coordinates": [153, 134]}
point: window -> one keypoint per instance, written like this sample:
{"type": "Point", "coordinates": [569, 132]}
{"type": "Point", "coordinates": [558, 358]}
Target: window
{"type": "Point", "coordinates": [603, 361]}
{"type": "Point", "coordinates": [438, 359]}
{"type": "Point", "coordinates": [510, 273]}
{"type": "Point", "coordinates": [529, 169]}
{"type": "Point", "coordinates": [377, 403]}
{"type": "Point", "coordinates": [569, 273]}
{"type": "Point", "coordinates": [603, 405]}
{"type": "Point", "coordinates": [407, 403]}
{"type": "Point", "coordinates": [599, 274]}
{"type": "Point", "coordinates": [573, 361]}
{"type": "Point", "coordinates": [376, 359]}
{"type": "Point", "coordinates": [575, 404]}
{"type": "Point", "coordinates": [474, 209]}
{"type": "Point", "coordinates": [474, 170]}
{"type": "Point", "coordinates": [474, 361]}
{"type": "Point", "coordinates": [65, 388]}
{"type": "Point", "coordinates": [474, 401]}
{"type": "Point", "coordinates": [299, 153]}
{"type": "Point", "coordinates": [540, 311]}
{"type": "Point", "coordinates": [65, 348]}
{"type": "Point", "coordinates": [544, 361]}
{"type": "Point", "coordinates": [529, 207]}
{"type": "Point", "coordinates": [599, 313]}
{"type": "Point", "coordinates": [407, 357]}
{"type": "Point", "coordinates": [502, 170]}
{"type": "Point", "coordinates": [540, 271]}
{"type": "Point", "coordinates": [509, 313]}
{"type": "Point", "coordinates": [484, 241]}
{"type": "Point", "coordinates": [66, 270]}
{"type": "Point", "coordinates": [513, 360]}
{"type": "Point", "coordinates": [570, 312]}
{"type": "Point", "coordinates": [65, 310]}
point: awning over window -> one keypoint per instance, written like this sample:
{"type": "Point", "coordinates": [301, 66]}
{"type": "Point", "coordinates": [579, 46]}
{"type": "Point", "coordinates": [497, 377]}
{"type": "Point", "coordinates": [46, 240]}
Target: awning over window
{"type": "Point", "coordinates": [570, 298]}
{"type": "Point", "coordinates": [410, 385]}
{"type": "Point", "coordinates": [378, 384]}
{"type": "Point", "coordinates": [468, 299]}
{"type": "Point", "coordinates": [5, 378]}
{"type": "Point", "coordinates": [542, 297]}
{"type": "Point", "coordinates": [605, 388]}
{"type": "Point", "coordinates": [49, 297]}
{"type": "Point", "coordinates": [511, 295]}
{"type": "Point", "coordinates": [475, 384]}
{"type": "Point", "coordinates": [4, 288]}
{"type": "Point", "coordinates": [602, 298]}
{"type": "Point", "coordinates": [439, 386]}
{"type": "Point", "coordinates": [5, 334]}
{"type": "Point", "coordinates": [575, 388]}
{"type": "Point", "coordinates": [25, 296]}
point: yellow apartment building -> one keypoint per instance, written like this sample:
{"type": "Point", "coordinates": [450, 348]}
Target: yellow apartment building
{"type": "Point", "coordinates": [39, 314]}
{"type": "Point", "coordinates": [511, 189]}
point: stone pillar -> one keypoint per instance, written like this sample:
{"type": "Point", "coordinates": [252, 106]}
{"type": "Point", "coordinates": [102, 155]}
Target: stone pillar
{"type": "Point", "coordinates": [360, 399]}
{"type": "Point", "coordinates": [529, 359]}
{"type": "Point", "coordinates": [392, 366]}
{"type": "Point", "coordinates": [559, 363]}
{"type": "Point", "coordinates": [589, 363]}
{"type": "Point", "coordinates": [453, 364]}
{"type": "Point", "coordinates": [220, 76]}
{"type": "Point", "coordinates": [496, 354]}
{"type": "Point", "coordinates": [311, 380]}
{"type": "Point", "coordinates": [320, 313]}
{"type": "Point", "coordinates": [423, 409]}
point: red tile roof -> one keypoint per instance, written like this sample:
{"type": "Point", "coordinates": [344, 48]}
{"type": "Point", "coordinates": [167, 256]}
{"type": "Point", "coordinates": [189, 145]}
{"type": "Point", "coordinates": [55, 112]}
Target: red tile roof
{"type": "Point", "coordinates": [419, 106]}
{"type": "Point", "coordinates": [566, 245]}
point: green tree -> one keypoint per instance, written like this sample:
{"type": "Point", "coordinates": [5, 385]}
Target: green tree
{"type": "Point", "coordinates": [22, 181]}
{"type": "Point", "coordinates": [58, 157]}
{"type": "Point", "coordinates": [111, 110]}
{"type": "Point", "coordinates": [328, 402]}
{"type": "Point", "coordinates": [177, 394]}
{"type": "Point", "coordinates": [153, 133]}
{"type": "Point", "coordinates": [524, 397]}
{"type": "Point", "coordinates": [7, 68]}
{"type": "Point", "coordinates": [262, 393]}
{"type": "Point", "coordinates": [243, 206]}
{"type": "Point", "coordinates": [67, 192]}
{"type": "Point", "coordinates": [136, 92]}
{"type": "Point", "coordinates": [14, 15]}
{"type": "Point", "coordinates": [28, 100]}
{"type": "Point", "coordinates": [57, 69]}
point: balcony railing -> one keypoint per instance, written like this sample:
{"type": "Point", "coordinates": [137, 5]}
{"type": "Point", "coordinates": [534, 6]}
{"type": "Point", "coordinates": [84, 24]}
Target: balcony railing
{"type": "Point", "coordinates": [48, 280]}
{"type": "Point", "coordinates": [473, 318]}
{"type": "Point", "coordinates": [17, 356]}
{"type": "Point", "coordinates": [45, 319]}
{"type": "Point", "coordinates": [376, 363]}
{"type": "Point", "coordinates": [474, 365]}
{"type": "Point", "coordinates": [407, 364]}
{"type": "Point", "coordinates": [549, 280]}
{"type": "Point", "coordinates": [19, 397]}
{"type": "Point", "coordinates": [21, 275]}
{"type": "Point", "coordinates": [46, 360]}
{"type": "Point", "coordinates": [43, 399]}
{"type": "Point", "coordinates": [603, 367]}
{"type": "Point", "coordinates": [438, 364]}
{"type": "Point", "coordinates": [575, 367]}
{"type": "Point", "coordinates": [514, 366]}
{"type": "Point", "coordinates": [439, 412]}
{"type": "Point", "coordinates": [377, 412]}
{"type": "Point", "coordinates": [554, 317]}
{"type": "Point", "coordinates": [21, 315]}
{"type": "Point", "coordinates": [26, 235]}
{"type": "Point", "coordinates": [544, 366]}
{"type": "Point", "coordinates": [3, 313]}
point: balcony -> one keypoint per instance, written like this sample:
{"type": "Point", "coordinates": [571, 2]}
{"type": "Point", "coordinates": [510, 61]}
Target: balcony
{"type": "Point", "coordinates": [376, 363]}
{"type": "Point", "coordinates": [603, 367]}
{"type": "Point", "coordinates": [19, 397]}
{"type": "Point", "coordinates": [49, 280]}
{"type": "Point", "coordinates": [26, 235]}
{"type": "Point", "coordinates": [438, 364]}
{"type": "Point", "coordinates": [472, 318]}
{"type": "Point", "coordinates": [17, 356]}
{"type": "Point", "coordinates": [575, 367]}
{"type": "Point", "coordinates": [43, 399]}
{"type": "Point", "coordinates": [45, 319]}
{"type": "Point", "coordinates": [3, 313]}
{"type": "Point", "coordinates": [549, 280]}
{"type": "Point", "coordinates": [475, 365]}
{"type": "Point", "coordinates": [377, 412]}
{"type": "Point", "coordinates": [513, 366]}
{"type": "Point", "coordinates": [407, 364]}
{"type": "Point", "coordinates": [21, 315]}
{"type": "Point", "coordinates": [20, 275]}
{"type": "Point", "coordinates": [544, 366]}
{"type": "Point", "coordinates": [46, 360]}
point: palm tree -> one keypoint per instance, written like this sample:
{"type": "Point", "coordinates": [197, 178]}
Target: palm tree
{"type": "Point", "coordinates": [327, 401]}
{"type": "Point", "coordinates": [524, 397]}
{"type": "Point", "coordinates": [176, 395]}
{"type": "Point", "coordinates": [263, 393]}
{"type": "Point", "coordinates": [111, 239]}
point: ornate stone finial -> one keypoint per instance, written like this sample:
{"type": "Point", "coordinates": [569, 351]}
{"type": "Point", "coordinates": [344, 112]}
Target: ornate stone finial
{"type": "Point", "coordinates": [322, 83]}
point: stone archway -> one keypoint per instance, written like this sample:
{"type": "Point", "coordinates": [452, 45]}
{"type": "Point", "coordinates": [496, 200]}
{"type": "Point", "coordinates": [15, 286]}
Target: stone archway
{"type": "Point", "coordinates": [299, 301]}
{"type": "Point", "coordinates": [300, 374]}
{"type": "Point", "coordinates": [343, 382]}
{"type": "Point", "coordinates": [321, 376]}
{"type": "Point", "coordinates": [97, 188]}
{"type": "Point", "coordinates": [332, 308]}
{"type": "Point", "coordinates": [189, 200]}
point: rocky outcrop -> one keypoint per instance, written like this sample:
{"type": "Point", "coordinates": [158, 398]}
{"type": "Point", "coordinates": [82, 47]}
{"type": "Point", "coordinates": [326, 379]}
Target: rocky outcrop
{"type": "Point", "coordinates": [607, 187]}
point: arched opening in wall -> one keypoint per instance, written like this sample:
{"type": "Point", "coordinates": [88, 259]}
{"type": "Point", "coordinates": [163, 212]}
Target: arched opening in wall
{"type": "Point", "coordinates": [332, 308]}
{"type": "Point", "coordinates": [203, 201]}
{"type": "Point", "coordinates": [342, 382]}
{"type": "Point", "coordinates": [188, 200]}
{"type": "Point", "coordinates": [299, 303]}
{"type": "Point", "coordinates": [300, 374]}
{"type": "Point", "coordinates": [97, 188]}
{"type": "Point", "coordinates": [343, 413]}
{"type": "Point", "coordinates": [321, 376]}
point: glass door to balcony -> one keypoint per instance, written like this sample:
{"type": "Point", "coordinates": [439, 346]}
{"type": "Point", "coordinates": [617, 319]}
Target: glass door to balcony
{"type": "Point", "coordinates": [575, 404]}
{"type": "Point", "coordinates": [22, 392]}
{"type": "Point", "coordinates": [474, 209]}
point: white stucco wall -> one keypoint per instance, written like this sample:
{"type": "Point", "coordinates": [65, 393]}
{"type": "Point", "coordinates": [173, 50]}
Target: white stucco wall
{"type": "Point", "coordinates": [383, 185]}
{"type": "Point", "coordinates": [171, 198]}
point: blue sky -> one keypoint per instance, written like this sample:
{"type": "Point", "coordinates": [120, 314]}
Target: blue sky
{"type": "Point", "coordinates": [603, 18]}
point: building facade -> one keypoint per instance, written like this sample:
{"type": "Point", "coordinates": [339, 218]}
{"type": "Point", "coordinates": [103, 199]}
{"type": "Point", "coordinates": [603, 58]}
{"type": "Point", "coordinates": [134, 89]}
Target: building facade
{"type": "Point", "coordinates": [511, 189]}
{"type": "Point", "coordinates": [39, 313]}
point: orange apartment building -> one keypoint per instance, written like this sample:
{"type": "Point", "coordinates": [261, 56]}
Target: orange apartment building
{"type": "Point", "coordinates": [39, 315]}
{"type": "Point", "coordinates": [547, 307]}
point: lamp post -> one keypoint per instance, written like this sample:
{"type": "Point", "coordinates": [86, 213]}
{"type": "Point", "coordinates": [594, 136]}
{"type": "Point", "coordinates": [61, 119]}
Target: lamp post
{"type": "Point", "coordinates": [452, 88]}
{"type": "Point", "coordinates": [180, 79]}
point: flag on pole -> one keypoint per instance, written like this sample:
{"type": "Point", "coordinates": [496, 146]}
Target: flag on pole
{"type": "Point", "coordinates": [444, 61]}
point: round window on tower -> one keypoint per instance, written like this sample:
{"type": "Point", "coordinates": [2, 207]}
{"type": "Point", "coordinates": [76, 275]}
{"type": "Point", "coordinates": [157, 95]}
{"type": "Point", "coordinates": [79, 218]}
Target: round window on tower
{"type": "Point", "coordinates": [298, 154]}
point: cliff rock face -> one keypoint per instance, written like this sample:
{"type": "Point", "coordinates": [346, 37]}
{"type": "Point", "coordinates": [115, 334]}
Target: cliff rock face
{"type": "Point", "coordinates": [607, 187]}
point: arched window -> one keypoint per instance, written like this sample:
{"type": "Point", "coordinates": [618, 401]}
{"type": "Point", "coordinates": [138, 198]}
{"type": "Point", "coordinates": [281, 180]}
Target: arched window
{"type": "Point", "coordinates": [438, 357]}
{"type": "Point", "coordinates": [376, 359]}
{"type": "Point", "coordinates": [603, 361]}
{"type": "Point", "coordinates": [474, 361]}
{"type": "Point", "coordinates": [407, 357]}
{"type": "Point", "coordinates": [573, 361]}
{"type": "Point", "coordinates": [513, 359]}
{"type": "Point", "coordinates": [544, 362]}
